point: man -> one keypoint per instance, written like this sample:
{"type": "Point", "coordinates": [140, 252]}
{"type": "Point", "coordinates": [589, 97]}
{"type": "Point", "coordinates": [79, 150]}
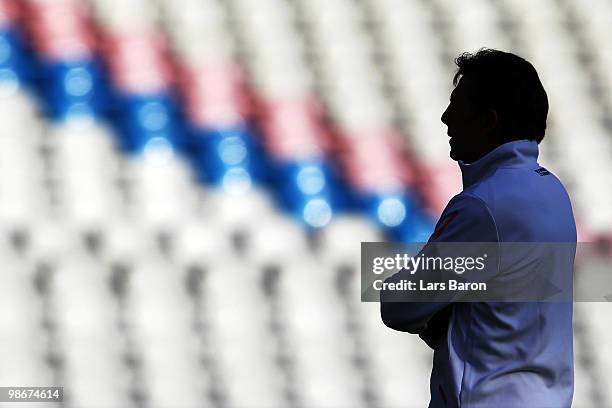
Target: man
{"type": "Point", "coordinates": [497, 354]}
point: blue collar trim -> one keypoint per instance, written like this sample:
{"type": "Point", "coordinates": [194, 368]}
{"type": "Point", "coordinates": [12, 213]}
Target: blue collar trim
{"type": "Point", "coordinates": [517, 153]}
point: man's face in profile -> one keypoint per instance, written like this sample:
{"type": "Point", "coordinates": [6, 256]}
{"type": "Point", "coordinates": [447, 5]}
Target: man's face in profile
{"type": "Point", "coordinates": [468, 136]}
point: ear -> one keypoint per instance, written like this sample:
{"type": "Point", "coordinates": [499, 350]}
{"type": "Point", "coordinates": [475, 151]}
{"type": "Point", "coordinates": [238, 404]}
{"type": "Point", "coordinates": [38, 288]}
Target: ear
{"type": "Point", "coordinates": [490, 120]}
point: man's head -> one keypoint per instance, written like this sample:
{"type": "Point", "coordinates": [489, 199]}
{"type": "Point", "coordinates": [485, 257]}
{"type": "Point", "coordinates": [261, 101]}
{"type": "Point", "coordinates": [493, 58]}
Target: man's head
{"type": "Point", "coordinates": [498, 98]}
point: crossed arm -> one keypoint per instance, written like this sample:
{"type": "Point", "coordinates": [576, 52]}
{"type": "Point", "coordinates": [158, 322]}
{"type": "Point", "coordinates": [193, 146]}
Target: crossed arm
{"type": "Point", "coordinates": [465, 219]}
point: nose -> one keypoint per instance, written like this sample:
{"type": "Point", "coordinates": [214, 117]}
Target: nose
{"type": "Point", "coordinates": [444, 117]}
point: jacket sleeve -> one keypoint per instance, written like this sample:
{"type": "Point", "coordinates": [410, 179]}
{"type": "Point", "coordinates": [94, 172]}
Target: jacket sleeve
{"type": "Point", "coordinates": [465, 219]}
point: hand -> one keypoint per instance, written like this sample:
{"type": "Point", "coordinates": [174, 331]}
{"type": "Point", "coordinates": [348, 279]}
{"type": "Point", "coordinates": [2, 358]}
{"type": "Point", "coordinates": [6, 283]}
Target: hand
{"type": "Point", "coordinates": [437, 327]}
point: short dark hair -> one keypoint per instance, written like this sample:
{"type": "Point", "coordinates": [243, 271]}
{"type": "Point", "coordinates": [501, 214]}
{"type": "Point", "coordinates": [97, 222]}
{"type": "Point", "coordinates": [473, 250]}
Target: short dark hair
{"type": "Point", "coordinates": [509, 85]}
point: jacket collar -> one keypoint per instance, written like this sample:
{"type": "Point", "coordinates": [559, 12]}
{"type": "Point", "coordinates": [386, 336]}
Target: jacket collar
{"type": "Point", "coordinates": [512, 154]}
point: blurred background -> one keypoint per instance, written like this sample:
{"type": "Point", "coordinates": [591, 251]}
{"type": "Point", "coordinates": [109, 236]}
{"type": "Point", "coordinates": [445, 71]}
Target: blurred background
{"type": "Point", "coordinates": [184, 186]}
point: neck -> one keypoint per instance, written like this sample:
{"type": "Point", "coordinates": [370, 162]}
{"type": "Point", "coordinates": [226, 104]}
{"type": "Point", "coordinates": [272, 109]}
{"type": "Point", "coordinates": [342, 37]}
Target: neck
{"type": "Point", "coordinates": [494, 143]}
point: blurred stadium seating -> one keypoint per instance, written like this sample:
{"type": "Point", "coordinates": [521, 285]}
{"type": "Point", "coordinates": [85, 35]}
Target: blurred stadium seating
{"type": "Point", "coordinates": [184, 186]}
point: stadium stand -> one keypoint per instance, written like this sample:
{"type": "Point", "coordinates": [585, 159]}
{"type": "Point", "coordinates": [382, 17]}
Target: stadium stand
{"type": "Point", "coordinates": [184, 186]}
